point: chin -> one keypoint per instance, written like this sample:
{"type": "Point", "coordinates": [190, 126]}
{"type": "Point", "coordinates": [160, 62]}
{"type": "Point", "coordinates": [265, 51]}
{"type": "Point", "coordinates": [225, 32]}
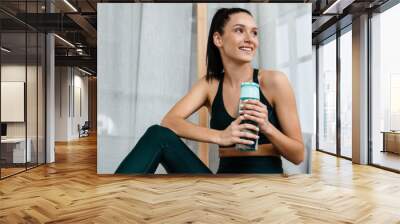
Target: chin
{"type": "Point", "coordinates": [246, 59]}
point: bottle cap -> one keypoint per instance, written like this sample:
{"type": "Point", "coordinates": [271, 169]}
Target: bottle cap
{"type": "Point", "coordinates": [249, 90]}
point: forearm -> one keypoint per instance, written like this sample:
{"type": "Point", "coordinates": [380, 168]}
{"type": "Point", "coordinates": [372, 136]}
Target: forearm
{"type": "Point", "coordinates": [186, 129]}
{"type": "Point", "coordinates": [291, 149]}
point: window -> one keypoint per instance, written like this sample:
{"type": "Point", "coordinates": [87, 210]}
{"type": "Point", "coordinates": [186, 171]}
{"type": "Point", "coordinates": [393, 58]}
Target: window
{"type": "Point", "coordinates": [346, 94]}
{"type": "Point", "coordinates": [385, 89]}
{"type": "Point", "coordinates": [327, 97]}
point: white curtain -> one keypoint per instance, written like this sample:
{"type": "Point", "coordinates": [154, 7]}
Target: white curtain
{"type": "Point", "coordinates": [145, 65]}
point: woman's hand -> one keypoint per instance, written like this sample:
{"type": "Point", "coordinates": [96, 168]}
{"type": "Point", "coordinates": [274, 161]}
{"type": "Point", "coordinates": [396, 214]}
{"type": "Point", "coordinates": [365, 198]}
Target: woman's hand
{"type": "Point", "coordinates": [233, 134]}
{"type": "Point", "coordinates": [256, 111]}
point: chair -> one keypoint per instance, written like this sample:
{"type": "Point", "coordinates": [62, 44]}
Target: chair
{"type": "Point", "coordinates": [84, 130]}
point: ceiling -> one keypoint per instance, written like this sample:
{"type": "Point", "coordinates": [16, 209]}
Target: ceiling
{"type": "Point", "coordinates": [76, 22]}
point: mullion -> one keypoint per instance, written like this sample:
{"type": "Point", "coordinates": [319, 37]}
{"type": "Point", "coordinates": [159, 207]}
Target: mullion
{"type": "Point", "coordinates": [338, 73]}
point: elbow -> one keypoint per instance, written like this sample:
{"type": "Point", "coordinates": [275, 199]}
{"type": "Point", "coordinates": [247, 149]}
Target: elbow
{"type": "Point", "coordinates": [168, 122]}
{"type": "Point", "coordinates": [164, 122]}
{"type": "Point", "coordinates": [299, 158]}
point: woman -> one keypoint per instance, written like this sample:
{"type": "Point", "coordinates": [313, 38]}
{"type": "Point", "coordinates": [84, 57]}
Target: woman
{"type": "Point", "coordinates": [232, 44]}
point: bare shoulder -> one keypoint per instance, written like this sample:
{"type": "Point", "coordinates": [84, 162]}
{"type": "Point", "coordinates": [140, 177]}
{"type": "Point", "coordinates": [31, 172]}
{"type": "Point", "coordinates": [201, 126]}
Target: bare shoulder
{"type": "Point", "coordinates": [272, 79]}
{"type": "Point", "coordinates": [210, 87]}
{"type": "Point", "coordinates": [273, 84]}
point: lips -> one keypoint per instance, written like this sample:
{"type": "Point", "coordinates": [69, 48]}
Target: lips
{"type": "Point", "coordinates": [246, 49]}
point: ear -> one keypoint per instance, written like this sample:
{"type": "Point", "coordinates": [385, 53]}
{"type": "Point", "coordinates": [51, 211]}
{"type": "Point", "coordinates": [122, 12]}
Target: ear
{"type": "Point", "coordinates": [217, 39]}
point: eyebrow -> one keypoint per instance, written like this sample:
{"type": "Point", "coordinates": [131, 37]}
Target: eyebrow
{"type": "Point", "coordinates": [241, 25]}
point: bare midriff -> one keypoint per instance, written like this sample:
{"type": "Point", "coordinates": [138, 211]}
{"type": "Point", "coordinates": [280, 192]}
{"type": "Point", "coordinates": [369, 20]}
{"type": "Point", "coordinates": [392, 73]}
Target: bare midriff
{"type": "Point", "coordinates": [262, 150]}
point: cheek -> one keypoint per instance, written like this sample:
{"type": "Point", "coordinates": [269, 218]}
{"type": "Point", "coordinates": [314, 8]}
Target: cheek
{"type": "Point", "coordinates": [256, 43]}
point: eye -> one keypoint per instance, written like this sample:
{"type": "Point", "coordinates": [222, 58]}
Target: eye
{"type": "Point", "coordinates": [240, 30]}
{"type": "Point", "coordinates": [255, 33]}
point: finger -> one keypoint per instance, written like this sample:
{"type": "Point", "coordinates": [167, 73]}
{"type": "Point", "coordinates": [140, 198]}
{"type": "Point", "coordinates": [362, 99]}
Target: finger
{"type": "Point", "coordinates": [243, 141]}
{"type": "Point", "coordinates": [259, 103]}
{"type": "Point", "coordinates": [253, 118]}
{"type": "Point", "coordinates": [256, 102]}
{"type": "Point", "coordinates": [253, 107]}
{"type": "Point", "coordinates": [254, 113]}
{"type": "Point", "coordinates": [238, 120]}
{"type": "Point", "coordinates": [248, 135]}
{"type": "Point", "coordinates": [246, 126]}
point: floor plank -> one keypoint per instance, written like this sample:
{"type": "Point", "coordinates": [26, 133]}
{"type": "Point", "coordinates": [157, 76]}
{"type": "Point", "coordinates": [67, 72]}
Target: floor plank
{"type": "Point", "coordinates": [70, 191]}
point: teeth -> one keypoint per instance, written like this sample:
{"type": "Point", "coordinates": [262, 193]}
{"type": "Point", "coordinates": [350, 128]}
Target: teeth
{"type": "Point", "coordinates": [245, 48]}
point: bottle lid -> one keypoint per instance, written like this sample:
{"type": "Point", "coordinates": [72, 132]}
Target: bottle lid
{"type": "Point", "coordinates": [249, 90]}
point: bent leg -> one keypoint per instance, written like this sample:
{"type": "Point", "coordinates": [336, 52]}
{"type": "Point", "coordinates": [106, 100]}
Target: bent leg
{"type": "Point", "coordinates": [178, 158]}
{"type": "Point", "coordinates": [161, 145]}
{"type": "Point", "coordinates": [145, 156]}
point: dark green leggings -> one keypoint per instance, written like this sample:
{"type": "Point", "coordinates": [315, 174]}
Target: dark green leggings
{"type": "Point", "coordinates": [162, 145]}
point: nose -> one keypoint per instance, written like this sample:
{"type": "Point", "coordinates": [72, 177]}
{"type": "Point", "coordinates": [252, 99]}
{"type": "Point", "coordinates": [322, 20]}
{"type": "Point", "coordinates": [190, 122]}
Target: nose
{"type": "Point", "coordinates": [249, 37]}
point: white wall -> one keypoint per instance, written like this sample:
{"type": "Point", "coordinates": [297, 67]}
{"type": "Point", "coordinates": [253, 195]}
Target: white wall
{"type": "Point", "coordinates": [68, 82]}
{"type": "Point", "coordinates": [14, 72]}
{"type": "Point", "coordinates": [33, 126]}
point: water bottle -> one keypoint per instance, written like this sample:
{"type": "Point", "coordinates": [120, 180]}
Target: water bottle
{"type": "Point", "coordinates": [249, 91]}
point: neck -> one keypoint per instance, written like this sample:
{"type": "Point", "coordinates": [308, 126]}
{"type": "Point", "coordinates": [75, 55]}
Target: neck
{"type": "Point", "coordinates": [236, 74]}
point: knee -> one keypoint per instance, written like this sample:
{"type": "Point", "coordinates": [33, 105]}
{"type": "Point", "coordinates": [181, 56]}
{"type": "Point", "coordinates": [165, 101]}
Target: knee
{"type": "Point", "coordinates": [160, 132]}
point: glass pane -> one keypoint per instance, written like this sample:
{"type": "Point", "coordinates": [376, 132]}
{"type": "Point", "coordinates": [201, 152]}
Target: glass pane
{"type": "Point", "coordinates": [41, 98]}
{"type": "Point", "coordinates": [31, 85]}
{"type": "Point", "coordinates": [327, 96]}
{"type": "Point", "coordinates": [386, 89]}
{"type": "Point", "coordinates": [31, 100]}
{"type": "Point", "coordinates": [13, 87]}
{"type": "Point", "coordinates": [346, 94]}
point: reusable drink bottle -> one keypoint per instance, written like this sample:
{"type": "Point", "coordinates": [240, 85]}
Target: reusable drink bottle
{"type": "Point", "coordinates": [249, 91]}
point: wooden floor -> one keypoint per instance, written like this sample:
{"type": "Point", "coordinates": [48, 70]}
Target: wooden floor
{"type": "Point", "coordinates": [387, 159]}
{"type": "Point", "coordinates": [70, 191]}
{"type": "Point", "coordinates": [10, 171]}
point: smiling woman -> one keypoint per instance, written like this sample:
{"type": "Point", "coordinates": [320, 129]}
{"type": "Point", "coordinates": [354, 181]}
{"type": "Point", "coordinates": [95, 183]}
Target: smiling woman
{"type": "Point", "coordinates": [232, 44]}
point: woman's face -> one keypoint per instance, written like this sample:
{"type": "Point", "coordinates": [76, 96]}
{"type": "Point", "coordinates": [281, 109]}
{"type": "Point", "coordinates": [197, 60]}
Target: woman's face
{"type": "Point", "coordinates": [239, 41]}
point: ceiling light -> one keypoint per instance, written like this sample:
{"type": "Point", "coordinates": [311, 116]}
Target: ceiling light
{"type": "Point", "coordinates": [65, 41]}
{"type": "Point", "coordinates": [84, 71]}
{"type": "Point", "coordinates": [71, 6]}
{"type": "Point", "coordinates": [337, 7]}
{"type": "Point", "coordinates": [5, 50]}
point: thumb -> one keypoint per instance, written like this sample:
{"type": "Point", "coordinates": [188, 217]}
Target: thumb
{"type": "Point", "coordinates": [238, 120]}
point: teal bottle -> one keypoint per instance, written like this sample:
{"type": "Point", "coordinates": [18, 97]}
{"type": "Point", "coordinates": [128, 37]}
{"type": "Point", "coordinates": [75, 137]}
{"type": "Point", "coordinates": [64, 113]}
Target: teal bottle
{"type": "Point", "coordinates": [249, 91]}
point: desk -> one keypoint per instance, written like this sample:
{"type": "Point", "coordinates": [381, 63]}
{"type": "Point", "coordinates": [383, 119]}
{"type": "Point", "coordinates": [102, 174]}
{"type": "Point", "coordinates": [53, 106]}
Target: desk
{"type": "Point", "coordinates": [391, 141]}
{"type": "Point", "coordinates": [15, 148]}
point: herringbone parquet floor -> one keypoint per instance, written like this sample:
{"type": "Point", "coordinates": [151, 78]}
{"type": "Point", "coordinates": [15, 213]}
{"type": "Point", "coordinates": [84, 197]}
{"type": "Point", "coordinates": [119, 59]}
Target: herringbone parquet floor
{"type": "Point", "coordinates": [70, 191]}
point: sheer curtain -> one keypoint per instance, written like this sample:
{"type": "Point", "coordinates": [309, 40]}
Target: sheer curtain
{"type": "Point", "coordinates": [145, 65]}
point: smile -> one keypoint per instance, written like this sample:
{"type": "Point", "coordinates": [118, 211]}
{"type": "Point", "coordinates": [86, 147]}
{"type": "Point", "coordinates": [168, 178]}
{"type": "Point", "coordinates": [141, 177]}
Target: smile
{"type": "Point", "coordinates": [246, 49]}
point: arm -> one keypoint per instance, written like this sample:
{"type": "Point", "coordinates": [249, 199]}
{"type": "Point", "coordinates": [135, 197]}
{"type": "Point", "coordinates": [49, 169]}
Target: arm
{"type": "Point", "coordinates": [290, 142]}
{"type": "Point", "coordinates": [175, 119]}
